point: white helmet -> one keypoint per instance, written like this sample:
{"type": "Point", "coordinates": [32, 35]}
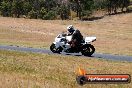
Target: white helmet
{"type": "Point", "coordinates": [70, 28]}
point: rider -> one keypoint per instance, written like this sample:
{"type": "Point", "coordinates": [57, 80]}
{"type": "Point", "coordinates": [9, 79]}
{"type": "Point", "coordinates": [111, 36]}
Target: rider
{"type": "Point", "coordinates": [76, 36]}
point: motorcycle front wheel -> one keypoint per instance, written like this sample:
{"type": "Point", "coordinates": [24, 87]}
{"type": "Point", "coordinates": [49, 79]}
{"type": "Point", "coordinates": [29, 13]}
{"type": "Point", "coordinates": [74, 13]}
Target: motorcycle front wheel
{"type": "Point", "coordinates": [54, 49]}
{"type": "Point", "coordinates": [88, 50]}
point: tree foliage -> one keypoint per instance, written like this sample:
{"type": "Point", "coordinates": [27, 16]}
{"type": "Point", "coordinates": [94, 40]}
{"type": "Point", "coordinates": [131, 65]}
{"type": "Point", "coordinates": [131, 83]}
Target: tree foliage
{"type": "Point", "coordinates": [5, 8]}
{"type": "Point", "coordinates": [53, 9]}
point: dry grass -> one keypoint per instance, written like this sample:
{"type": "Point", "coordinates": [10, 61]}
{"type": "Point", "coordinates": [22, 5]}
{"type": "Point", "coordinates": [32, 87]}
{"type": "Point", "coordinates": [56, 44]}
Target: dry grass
{"type": "Point", "coordinates": [29, 70]}
{"type": "Point", "coordinates": [13, 37]}
{"type": "Point", "coordinates": [114, 34]}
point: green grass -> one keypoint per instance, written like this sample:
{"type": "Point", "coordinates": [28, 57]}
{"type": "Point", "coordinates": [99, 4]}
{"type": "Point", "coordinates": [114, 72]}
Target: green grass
{"type": "Point", "coordinates": [54, 71]}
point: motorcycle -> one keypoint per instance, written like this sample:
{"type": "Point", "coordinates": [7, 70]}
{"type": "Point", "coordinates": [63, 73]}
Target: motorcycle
{"type": "Point", "coordinates": [61, 44]}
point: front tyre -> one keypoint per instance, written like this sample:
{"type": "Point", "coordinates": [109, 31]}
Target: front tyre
{"type": "Point", "coordinates": [54, 49]}
{"type": "Point", "coordinates": [88, 50]}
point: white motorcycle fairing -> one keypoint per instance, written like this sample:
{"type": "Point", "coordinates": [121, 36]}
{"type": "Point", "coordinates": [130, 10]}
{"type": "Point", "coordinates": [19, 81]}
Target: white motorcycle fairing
{"type": "Point", "coordinates": [89, 39]}
{"type": "Point", "coordinates": [61, 44]}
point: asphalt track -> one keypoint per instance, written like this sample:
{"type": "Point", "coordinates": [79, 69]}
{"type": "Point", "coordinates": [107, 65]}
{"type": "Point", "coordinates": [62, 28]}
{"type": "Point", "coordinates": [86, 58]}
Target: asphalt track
{"type": "Point", "coordinates": [95, 55]}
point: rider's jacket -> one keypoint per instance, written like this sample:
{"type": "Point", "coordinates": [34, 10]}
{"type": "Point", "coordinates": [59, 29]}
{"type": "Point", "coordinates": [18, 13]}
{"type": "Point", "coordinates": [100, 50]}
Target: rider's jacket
{"type": "Point", "coordinates": [77, 36]}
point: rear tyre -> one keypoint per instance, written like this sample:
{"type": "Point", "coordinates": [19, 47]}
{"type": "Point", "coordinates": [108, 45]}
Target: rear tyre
{"type": "Point", "coordinates": [54, 49]}
{"type": "Point", "coordinates": [88, 50]}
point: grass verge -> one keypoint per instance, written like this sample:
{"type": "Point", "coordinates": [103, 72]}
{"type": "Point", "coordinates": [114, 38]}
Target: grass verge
{"type": "Point", "coordinates": [19, 69]}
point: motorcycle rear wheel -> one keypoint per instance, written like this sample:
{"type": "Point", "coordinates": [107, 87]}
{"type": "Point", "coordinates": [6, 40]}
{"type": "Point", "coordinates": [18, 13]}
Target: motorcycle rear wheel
{"type": "Point", "coordinates": [88, 50]}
